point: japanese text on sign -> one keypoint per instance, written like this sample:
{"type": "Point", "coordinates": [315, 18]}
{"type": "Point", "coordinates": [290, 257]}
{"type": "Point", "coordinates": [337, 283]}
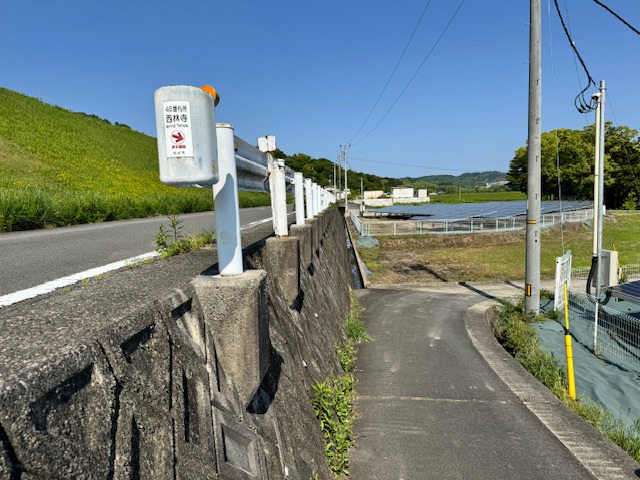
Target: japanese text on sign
{"type": "Point", "coordinates": [177, 126]}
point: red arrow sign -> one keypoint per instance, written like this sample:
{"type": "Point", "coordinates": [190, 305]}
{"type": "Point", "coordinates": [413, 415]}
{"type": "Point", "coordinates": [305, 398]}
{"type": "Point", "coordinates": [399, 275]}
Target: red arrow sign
{"type": "Point", "coordinates": [177, 137]}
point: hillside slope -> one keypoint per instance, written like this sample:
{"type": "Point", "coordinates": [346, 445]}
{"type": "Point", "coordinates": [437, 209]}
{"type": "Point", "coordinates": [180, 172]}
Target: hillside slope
{"type": "Point", "coordinates": [59, 167]}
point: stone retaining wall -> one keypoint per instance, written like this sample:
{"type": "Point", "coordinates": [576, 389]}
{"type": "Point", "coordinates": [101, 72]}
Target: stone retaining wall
{"type": "Point", "coordinates": [210, 378]}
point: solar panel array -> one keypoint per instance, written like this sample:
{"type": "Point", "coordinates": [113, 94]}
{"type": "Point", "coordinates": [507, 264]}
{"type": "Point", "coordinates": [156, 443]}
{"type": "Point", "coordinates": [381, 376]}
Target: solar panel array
{"type": "Point", "coordinates": [627, 291]}
{"type": "Point", "coordinates": [463, 211]}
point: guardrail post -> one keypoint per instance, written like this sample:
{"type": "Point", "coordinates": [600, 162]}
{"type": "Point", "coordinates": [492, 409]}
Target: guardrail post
{"type": "Point", "coordinates": [225, 194]}
{"type": "Point", "coordinates": [278, 189]}
{"type": "Point", "coordinates": [299, 193]}
{"type": "Point", "coordinates": [316, 203]}
{"type": "Point", "coordinates": [308, 188]}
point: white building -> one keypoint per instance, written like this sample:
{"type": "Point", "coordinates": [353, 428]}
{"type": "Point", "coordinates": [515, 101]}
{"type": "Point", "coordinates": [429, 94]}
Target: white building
{"type": "Point", "coordinates": [377, 198]}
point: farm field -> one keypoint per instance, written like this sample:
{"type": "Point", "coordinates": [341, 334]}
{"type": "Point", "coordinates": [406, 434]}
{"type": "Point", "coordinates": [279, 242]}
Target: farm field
{"type": "Point", "coordinates": [492, 256]}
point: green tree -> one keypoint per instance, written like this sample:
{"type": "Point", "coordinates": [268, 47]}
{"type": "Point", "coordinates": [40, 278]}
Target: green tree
{"type": "Point", "coordinates": [574, 151]}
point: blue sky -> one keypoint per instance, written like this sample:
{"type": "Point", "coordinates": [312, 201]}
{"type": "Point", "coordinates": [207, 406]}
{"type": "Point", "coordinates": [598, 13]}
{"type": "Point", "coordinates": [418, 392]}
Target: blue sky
{"type": "Point", "coordinates": [310, 72]}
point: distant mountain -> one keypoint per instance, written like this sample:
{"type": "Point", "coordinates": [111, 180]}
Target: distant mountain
{"type": "Point", "coordinates": [473, 179]}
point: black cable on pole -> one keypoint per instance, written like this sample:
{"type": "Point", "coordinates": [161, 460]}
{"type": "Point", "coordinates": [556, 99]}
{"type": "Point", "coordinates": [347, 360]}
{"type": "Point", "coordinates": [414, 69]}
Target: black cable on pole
{"type": "Point", "coordinates": [617, 16]}
{"type": "Point", "coordinates": [582, 105]}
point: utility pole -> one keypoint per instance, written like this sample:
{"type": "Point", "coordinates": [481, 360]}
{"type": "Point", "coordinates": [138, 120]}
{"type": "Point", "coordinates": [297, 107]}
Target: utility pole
{"type": "Point", "coordinates": [343, 155]}
{"type": "Point", "coordinates": [534, 190]}
{"type": "Point", "coordinates": [598, 203]}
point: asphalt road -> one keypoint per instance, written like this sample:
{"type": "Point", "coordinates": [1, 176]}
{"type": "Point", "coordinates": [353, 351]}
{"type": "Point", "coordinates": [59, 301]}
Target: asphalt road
{"type": "Point", "coordinates": [32, 258]}
{"type": "Point", "coordinates": [430, 406]}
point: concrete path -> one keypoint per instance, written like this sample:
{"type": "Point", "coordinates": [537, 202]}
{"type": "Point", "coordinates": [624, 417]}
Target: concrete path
{"type": "Point", "coordinates": [438, 398]}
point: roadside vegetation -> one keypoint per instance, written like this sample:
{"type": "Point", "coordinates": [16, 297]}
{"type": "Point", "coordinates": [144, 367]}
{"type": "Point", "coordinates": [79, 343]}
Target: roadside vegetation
{"type": "Point", "coordinates": [170, 241]}
{"type": "Point", "coordinates": [513, 330]}
{"type": "Point", "coordinates": [495, 256]}
{"type": "Point", "coordinates": [59, 168]}
{"type": "Point", "coordinates": [476, 197]}
{"type": "Point", "coordinates": [333, 398]}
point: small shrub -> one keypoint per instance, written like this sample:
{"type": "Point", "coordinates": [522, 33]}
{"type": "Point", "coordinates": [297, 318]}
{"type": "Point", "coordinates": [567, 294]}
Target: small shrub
{"type": "Point", "coordinates": [171, 242]}
{"type": "Point", "coordinates": [631, 202]}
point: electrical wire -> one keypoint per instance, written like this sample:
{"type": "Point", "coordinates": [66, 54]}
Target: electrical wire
{"type": "Point", "coordinates": [581, 103]}
{"type": "Point", "coordinates": [429, 167]}
{"type": "Point", "coordinates": [393, 72]}
{"type": "Point", "coordinates": [575, 60]}
{"type": "Point", "coordinates": [414, 75]}
{"type": "Point", "coordinates": [617, 16]}
{"type": "Point", "coordinates": [555, 118]}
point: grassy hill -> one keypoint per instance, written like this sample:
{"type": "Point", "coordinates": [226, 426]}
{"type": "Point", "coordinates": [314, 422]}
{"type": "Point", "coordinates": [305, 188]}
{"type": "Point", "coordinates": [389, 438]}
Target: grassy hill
{"type": "Point", "coordinates": [465, 179]}
{"type": "Point", "coordinates": [59, 167]}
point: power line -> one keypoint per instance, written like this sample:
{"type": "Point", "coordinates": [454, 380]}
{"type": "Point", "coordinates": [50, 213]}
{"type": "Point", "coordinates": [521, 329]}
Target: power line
{"type": "Point", "coordinates": [393, 72]}
{"type": "Point", "coordinates": [617, 16]}
{"type": "Point", "coordinates": [429, 167]}
{"type": "Point", "coordinates": [414, 75]}
{"type": "Point", "coordinates": [582, 105]}
{"type": "Point", "coordinates": [575, 58]}
{"type": "Point", "coordinates": [555, 119]}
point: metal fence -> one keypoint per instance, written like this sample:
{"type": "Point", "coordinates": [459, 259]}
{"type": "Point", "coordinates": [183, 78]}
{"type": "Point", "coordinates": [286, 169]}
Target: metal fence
{"type": "Point", "coordinates": [618, 333]}
{"type": "Point", "coordinates": [368, 227]}
{"type": "Point", "coordinates": [628, 272]}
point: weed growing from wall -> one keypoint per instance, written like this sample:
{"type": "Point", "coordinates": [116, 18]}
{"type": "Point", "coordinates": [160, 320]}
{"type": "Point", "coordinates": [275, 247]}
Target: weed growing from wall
{"type": "Point", "coordinates": [333, 398]}
{"type": "Point", "coordinates": [353, 325]}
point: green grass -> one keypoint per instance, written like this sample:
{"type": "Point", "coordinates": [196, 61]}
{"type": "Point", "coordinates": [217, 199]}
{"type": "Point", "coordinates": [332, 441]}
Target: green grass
{"type": "Point", "coordinates": [478, 197]}
{"type": "Point", "coordinates": [498, 256]}
{"type": "Point", "coordinates": [513, 330]}
{"type": "Point", "coordinates": [59, 167]}
{"type": "Point", "coordinates": [354, 327]}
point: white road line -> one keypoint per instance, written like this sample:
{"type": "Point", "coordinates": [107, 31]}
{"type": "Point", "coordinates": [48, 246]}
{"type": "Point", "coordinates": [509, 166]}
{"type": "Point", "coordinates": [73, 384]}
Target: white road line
{"type": "Point", "coordinates": [48, 287]}
{"type": "Point", "coordinates": [255, 224]}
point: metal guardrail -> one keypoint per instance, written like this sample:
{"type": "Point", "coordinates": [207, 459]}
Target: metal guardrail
{"type": "Point", "coordinates": [195, 151]}
{"type": "Point", "coordinates": [253, 168]}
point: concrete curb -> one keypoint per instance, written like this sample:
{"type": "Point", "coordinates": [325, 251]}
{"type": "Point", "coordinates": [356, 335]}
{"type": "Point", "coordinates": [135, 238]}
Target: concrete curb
{"type": "Point", "coordinates": [604, 459]}
{"type": "Point", "coordinates": [363, 274]}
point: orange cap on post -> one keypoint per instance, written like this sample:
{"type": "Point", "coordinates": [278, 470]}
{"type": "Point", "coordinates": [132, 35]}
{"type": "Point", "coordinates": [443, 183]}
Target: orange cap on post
{"type": "Point", "coordinates": [212, 91]}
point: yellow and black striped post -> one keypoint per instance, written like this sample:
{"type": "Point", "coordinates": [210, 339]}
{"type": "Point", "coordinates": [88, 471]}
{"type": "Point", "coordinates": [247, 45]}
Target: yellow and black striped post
{"type": "Point", "coordinates": [568, 347]}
